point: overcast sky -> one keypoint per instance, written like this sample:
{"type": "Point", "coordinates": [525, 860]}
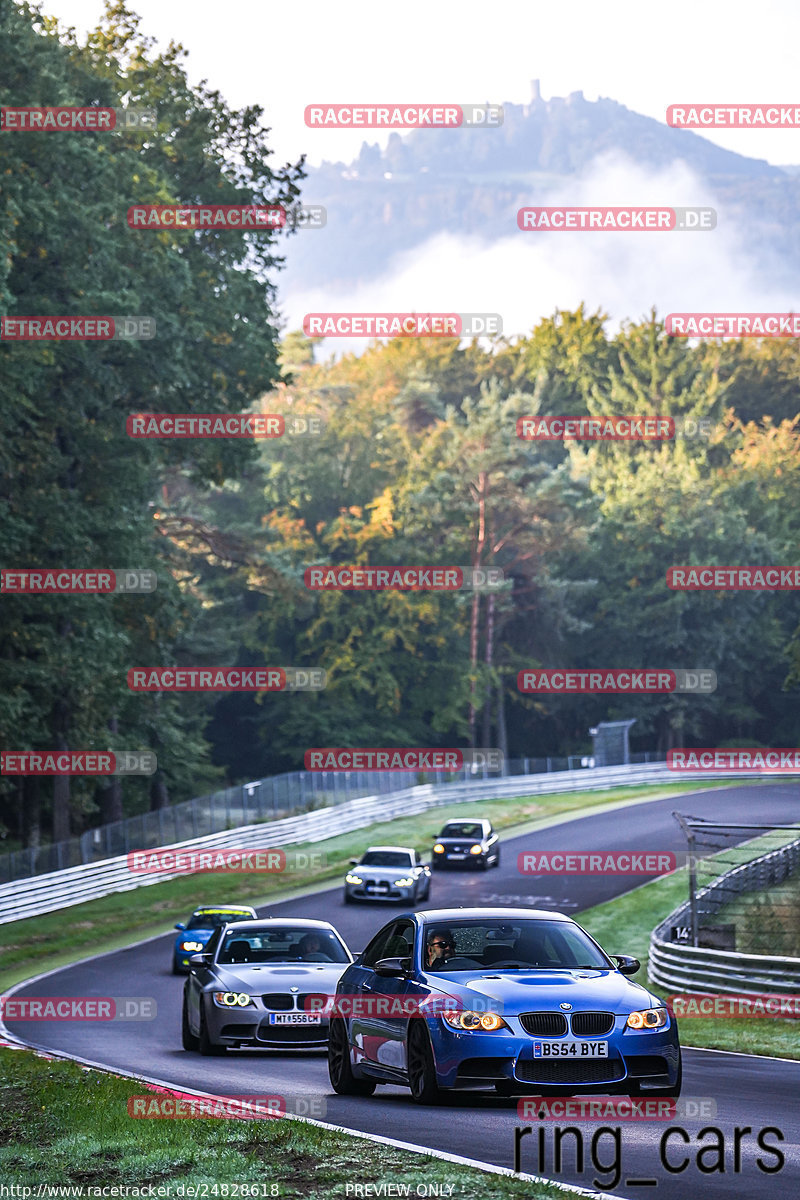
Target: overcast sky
{"type": "Point", "coordinates": [287, 55]}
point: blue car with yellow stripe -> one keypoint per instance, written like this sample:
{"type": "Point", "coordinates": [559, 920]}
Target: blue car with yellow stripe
{"type": "Point", "coordinates": [195, 932]}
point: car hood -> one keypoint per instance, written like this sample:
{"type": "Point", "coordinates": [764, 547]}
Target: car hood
{"type": "Point", "coordinates": [194, 935]}
{"type": "Point", "coordinates": [547, 990]}
{"type": "Point", "coordinates": [261, 977]}
{"type": "Point", "coordinates": [463, 841]}
{"type": "Point", "coordinates": [382, 872]}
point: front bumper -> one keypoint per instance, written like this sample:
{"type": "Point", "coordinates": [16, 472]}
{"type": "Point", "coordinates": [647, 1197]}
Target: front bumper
{"type": "Point", "coordinates": [451, 859]}
{"type": "Point", "coordinates": [392, 894]}
{"type": "Point", "coordinates": [647, 1057]}
{"type": "Point", "coordinates": [251, 1027]}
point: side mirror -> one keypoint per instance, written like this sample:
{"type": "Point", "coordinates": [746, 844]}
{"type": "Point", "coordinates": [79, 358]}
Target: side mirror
{"type": "Point", "coordinates": [625, 964]}
{"type": "Point", "coordinates": [353, 862]}
{"type": "Point", "coordinates": [199, 960]}
{"type": "Point", "coordinates": [180, 925]}
{"type": "Point", "coordinates": [392, 968]}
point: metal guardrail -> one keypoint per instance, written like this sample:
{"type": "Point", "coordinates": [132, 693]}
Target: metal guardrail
{"type": "Point", "coordinates": [261, 800]}
{"type": "Point", "coordinates": [90, 881]}
{"type": "Point", "coordinates": [673, 965]}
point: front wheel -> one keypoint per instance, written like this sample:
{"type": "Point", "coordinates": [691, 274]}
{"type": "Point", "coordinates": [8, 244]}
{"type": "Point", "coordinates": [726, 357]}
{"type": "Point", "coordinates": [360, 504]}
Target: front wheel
{"type": "Point", "coordinates": [343, 1081]}
{"type": "Point", "coordinates": [187, 1037]}
{"type": "Point", "coordinates": [204, 1043]}
{"type": "Point", "coordinates": [421, 1067]}
{"type": "Point", "coordinates": [497, 859]}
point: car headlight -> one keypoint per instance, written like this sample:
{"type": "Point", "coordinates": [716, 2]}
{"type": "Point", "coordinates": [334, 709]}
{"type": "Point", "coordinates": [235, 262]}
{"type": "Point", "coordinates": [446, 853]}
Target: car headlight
{"type": "Point", "coordinates": [467, 1019]}
{"type": "Point", "coordinates": [194, 946]}
{"type": "Point", "coordinates": [438, 848]}
{"type": "Point", "coordinates": [404, 883]}
{"type": "Point", "coordinates": [232, 999]}
{"type": "Point", "coordinates": [353, 879]}
{"type": "Point", "coordinates": [476, 849]}
{"type": "Point", "coordinates": [647, 1018]}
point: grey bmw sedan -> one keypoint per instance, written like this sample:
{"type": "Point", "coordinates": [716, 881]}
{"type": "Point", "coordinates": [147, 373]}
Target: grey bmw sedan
{"type": "Point", "coordinates": [262, 983]}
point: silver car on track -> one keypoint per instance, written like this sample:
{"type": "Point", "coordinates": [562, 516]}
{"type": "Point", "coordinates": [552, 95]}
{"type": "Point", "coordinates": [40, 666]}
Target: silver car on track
{"type": "Point", "coordinates": [263, 983]}
{"type": "Point", "coordinates": [388, 873]}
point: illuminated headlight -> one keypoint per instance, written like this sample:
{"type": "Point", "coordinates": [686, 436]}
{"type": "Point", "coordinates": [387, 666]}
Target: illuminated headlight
{"type": "Point", "coordinates": [232, 999]}
{"type": "Point", "coordinates": [438, 848]}
{"type": "Point", "coordinates": [467, 1019]}
{"type": "Point", "coordinates": [648, 1018]}
{"type": "Point", "coordinates": [476, 849]}
{"type": "Point", "coordinates": [194, 946]}
{"type": "Point", "coordinates": [353, 879]}
{"type": "Point", "coordinates": [404, 883]}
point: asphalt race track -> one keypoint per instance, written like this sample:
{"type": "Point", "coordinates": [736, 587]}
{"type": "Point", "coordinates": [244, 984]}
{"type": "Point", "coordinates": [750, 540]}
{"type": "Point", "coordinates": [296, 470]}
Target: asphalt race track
{"type": "Point", "coordinates": [749, 1092]}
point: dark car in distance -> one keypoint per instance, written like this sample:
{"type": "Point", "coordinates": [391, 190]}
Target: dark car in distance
{"type": "Point", "coordinates": [464, 843]}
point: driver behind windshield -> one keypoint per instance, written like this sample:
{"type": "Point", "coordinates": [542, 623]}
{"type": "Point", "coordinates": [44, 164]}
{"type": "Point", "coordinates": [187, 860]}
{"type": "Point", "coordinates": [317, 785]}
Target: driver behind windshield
{"type": "Point", "coordinates": [439, 947]}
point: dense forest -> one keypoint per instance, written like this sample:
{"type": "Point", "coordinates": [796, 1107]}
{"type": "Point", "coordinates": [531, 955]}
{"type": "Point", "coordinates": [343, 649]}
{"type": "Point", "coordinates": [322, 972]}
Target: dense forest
{"type": "Point", "coordinates": [417, 462]}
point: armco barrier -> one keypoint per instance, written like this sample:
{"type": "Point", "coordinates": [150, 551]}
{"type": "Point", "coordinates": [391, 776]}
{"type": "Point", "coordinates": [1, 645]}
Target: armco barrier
{"type": "Point", "coordinates": [678, 967]}
{"type": "Point", "coordinates": [61, 889]}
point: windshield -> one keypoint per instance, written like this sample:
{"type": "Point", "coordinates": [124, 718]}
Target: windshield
{"type": "Point", "coordinates": [281, 944]}
{"type": "Point", "coordinates": [462, 829]}
{"type": "Point", "coordinates": [215, 917]}
{"type": "Point", "coordinates": [529, 945]}
{"type": "Point", "coordinates": [387, 858]}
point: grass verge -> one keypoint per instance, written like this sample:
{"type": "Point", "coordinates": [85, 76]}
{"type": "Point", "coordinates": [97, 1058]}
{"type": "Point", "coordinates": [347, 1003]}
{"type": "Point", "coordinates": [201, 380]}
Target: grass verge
{"type": "Point", "coordinates": [65, 1125]}
{"type": "Point", "coordinates": [624, 925]}
{"type": "Point", "coordinates": [54, 940]}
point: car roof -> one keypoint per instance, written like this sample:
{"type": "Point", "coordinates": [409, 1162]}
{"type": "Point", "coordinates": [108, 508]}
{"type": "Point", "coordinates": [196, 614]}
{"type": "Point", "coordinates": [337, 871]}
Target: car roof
{"type": "Point", "coordinates": [222, 908]}
{"type": "Point", "coordinates": [467, 821]}
{"type": "Point", "coordinates": [403, 849]}
{"type": "Point", "coordinates": [442, 915]}
{"type": "Point", "coordinates": [295, 922]}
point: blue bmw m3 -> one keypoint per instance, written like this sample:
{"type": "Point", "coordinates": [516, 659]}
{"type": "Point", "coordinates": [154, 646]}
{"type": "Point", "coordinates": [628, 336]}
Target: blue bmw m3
{"type": "Point", "coordinates": [519, 998]}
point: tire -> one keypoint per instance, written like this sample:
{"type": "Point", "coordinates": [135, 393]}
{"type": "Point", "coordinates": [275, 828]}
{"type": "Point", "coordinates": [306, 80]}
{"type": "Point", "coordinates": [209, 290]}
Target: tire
{"type": "Point", "coordinates": [348, 899]}
{"type": "Point", "coordinates": [190, 1042]}
{"type": "Point", "coordinates": [484, 863]}
{"type": "Point", "coordinates": [343, 1081]}
{"type": "Point", "coordinates": [176, 970]}
{"type": "Point", "coordinates": [204, 1043]}
{"type": "Point", "coordinates": [421, 1067]}
{"type": "Point", "coordinates": [674, 1091]}
{"type": "Point", "coordinates": [497, 860]}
